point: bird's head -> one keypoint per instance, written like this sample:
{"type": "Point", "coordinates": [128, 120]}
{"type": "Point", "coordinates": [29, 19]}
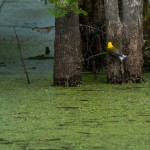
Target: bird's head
{"type": "Point", "coordinates": [109, 45]}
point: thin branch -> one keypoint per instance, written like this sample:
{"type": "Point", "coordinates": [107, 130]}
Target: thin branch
{"type": "Point", "coordinates": [94, 56]}
{"type": "Point", "coordinates": [21, 57]}
{"type": "Point", "coordinates": [82, 25]}
{"type": "Point", "coordinates": [2, 4]}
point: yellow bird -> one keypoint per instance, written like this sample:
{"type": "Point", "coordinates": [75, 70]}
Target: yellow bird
{"type": "Point", "coordinates": [114, 51]}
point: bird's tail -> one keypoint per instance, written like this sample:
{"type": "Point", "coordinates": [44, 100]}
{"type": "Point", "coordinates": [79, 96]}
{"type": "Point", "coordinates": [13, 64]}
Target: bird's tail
{"type": "Point", "coordinates": [122, 57]}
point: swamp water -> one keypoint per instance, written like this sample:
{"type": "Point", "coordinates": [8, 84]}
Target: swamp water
{"type": "Point", "coordinates": [93, 116]}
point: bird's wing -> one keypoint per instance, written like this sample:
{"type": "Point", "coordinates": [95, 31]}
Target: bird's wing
{"type": "Point", "coordinates": [117, 52]}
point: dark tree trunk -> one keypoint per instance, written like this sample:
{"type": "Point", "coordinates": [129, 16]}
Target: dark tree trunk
{"type": "Point", "coordinates": [98, 13]}
{"type": "Point", "coordinates": [133, 39]}
{"type": "Point", "coordinates": [100, 36]}
{"type": "Point", "coordinates": [115, 69]}
{"type": "Point", "coordinates": [92, 34]}
{"type": "Point", "coordinates": [67, 63]}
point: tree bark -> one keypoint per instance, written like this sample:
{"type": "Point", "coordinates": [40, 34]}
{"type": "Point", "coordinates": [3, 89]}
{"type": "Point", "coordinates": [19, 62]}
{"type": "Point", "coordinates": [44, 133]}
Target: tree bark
{"type": "Point", "coordinates": [67, 63]}
{"type": "Point", "coordinates": [133, 39]}
{"type": "Point", "coordinates": [115, 69]}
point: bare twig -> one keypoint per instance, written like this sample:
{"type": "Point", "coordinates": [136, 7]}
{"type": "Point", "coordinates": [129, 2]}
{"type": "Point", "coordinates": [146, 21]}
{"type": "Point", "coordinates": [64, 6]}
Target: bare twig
{"type": "Point", "coordinates": [2, 4]}
{"type": "Point", "coordinates": [94, 56]}
{"type": "Point", "coordinates": [94, 28]}
{"type": "Point", "coordinates": [21, 57]}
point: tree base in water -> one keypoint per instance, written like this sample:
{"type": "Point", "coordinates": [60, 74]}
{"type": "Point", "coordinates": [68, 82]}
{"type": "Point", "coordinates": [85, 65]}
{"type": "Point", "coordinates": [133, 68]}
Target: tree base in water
{"type": "Point", "coordinates": [115, 80]}
{"type": "Point", "coordinates": [121, 80]}
{"type": "Point", "coordinates": [72, 81]}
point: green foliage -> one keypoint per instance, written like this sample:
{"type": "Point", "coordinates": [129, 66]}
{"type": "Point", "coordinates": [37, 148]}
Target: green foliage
{"type": "Point", "coordinates": [62, 7]}
{"type": "Point", "coordinates": [57, 12]}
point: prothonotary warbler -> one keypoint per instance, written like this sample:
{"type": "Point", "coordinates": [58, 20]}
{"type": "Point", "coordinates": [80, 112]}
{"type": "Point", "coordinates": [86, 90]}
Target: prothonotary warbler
{"type": "Point", "coordinates": [114, 51]}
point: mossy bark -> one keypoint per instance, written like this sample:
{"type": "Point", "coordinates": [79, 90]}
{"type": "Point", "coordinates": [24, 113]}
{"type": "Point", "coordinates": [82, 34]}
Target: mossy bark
{"type": "Point", "coordinates": [114, 34]}
{"type": "Point", "coordinates": [67, 63]}
{"type": "Point", "coordinates": [125, 30]}
{"type": "Point", "coordinates": [133, 37]}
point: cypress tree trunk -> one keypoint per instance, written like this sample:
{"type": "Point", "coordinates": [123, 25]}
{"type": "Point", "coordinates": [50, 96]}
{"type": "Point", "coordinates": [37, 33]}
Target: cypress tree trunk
{"type": "Point", "coordinates": [133, 39]}
{"type": "Point", "coordinates": [67, 63]}
{"type": "Point", "coordinates": [100, 36]}
{"type": "Point", "coordinates": [114, 34]}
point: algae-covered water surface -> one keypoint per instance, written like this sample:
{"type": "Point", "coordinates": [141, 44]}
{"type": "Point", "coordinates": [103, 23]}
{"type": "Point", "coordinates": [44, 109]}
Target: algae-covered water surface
{"type": "Point", "coordinates": [93, 116]}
